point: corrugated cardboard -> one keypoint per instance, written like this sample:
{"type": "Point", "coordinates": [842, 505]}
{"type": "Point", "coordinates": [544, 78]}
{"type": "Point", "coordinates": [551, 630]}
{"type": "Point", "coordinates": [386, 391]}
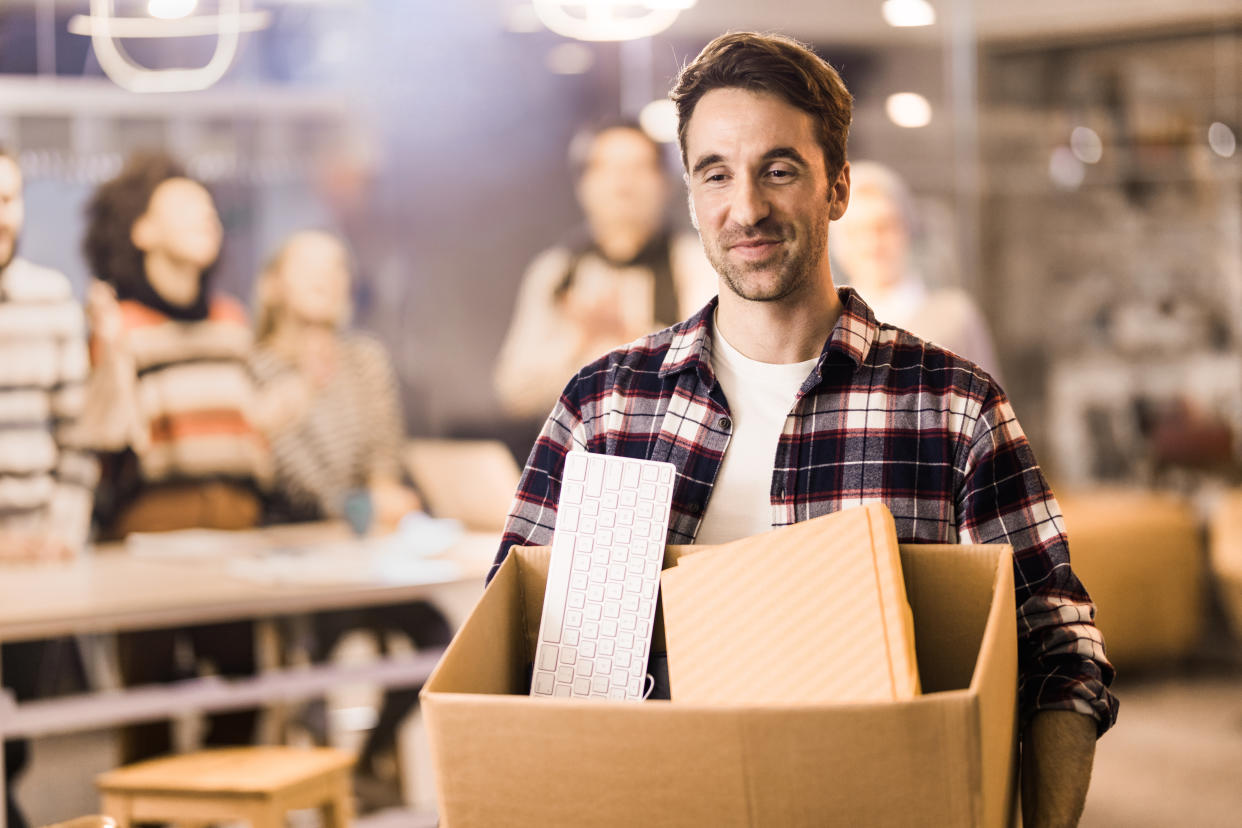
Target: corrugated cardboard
{"type": "Point", "coordinates": [1226, 556]}
{"type": "Point", "coordinates": [1140, 556]}
{"type": "Point", "coordinates": [813, 612]}
{"type": "Point", "coordinates": [943, 758]}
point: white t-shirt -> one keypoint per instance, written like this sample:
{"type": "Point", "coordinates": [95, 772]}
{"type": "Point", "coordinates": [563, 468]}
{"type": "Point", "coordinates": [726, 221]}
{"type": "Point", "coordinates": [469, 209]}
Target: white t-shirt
{"type": "Point", "coordinates": [760, 396]}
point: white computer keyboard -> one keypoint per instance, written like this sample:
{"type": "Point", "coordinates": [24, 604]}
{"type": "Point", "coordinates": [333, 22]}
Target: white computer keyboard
{"type": "Point", "coordinates": [607, 552]}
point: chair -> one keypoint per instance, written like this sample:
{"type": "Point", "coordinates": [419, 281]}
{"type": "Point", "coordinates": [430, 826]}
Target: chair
{"type": "Point", "coordinates": [256, 784]}
{"type": "Point", "coordinates": [470, 480]}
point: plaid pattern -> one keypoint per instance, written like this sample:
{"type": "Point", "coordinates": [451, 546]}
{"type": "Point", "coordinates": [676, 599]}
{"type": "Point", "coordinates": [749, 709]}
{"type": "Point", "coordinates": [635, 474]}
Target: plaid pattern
{"type": "Point", "coordinates": [883, 417]}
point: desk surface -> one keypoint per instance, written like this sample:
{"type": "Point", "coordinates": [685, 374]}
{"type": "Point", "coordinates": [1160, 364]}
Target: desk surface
{"type": "Point", "coordinates": [111, 588]}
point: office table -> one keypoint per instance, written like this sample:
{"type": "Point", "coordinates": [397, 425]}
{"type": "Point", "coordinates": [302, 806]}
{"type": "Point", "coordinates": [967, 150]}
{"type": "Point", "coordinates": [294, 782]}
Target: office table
{"type": "Point", "coordinates": [184, 579]}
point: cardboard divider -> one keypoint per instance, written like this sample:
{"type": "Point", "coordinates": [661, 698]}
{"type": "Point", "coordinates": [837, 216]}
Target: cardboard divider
{"type": "Point", "coordinates": [943, 758]}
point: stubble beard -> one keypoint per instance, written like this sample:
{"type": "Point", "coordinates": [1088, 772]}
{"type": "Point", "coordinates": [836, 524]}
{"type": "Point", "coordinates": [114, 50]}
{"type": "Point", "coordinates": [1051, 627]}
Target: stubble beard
{"type": "Point", "coordinates": [794, 268]}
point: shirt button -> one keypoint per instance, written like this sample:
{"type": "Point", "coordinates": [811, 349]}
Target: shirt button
{"type": "Point", "coordinates": [725, 423]}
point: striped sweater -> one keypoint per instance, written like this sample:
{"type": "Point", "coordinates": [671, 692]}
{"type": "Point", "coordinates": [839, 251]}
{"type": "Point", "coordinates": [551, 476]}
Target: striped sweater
{"type": "Point", "coordinates": [45, 485]}
{"type": "Point", "coordinates": [191, 394]}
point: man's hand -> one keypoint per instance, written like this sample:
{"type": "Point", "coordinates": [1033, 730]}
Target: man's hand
{"type": "Point", "coordinates": [1058, 748]}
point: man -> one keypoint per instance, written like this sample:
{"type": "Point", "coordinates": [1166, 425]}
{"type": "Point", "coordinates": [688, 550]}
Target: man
{"type": "Point", "coordinates": [45, 485]}
{"type": "Point", "coordinates": [785, 372]}
{"type": "Point", "coordinates": [623, 276]}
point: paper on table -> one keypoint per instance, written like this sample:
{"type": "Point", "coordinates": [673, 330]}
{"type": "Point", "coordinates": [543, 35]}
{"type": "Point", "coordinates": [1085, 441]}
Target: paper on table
{"type": "Point", "coordinates": [810, 613]}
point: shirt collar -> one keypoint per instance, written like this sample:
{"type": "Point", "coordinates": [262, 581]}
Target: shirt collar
{"type": "Point", "coordinates": [852, 336]}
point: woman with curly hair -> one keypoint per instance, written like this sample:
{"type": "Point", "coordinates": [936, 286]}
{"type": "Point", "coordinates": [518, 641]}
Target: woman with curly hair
{"type": "Point", "coordinates": [171, 407]}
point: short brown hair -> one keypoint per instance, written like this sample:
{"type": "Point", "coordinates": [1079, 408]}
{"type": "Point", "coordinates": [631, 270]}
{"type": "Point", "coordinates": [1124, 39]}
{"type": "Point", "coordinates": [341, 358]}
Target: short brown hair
{"type": "Point", "coordinates": [777, 65]}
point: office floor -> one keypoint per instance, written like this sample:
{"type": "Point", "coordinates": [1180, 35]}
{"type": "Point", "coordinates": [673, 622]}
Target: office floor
{"type": "Point", "coordinates": [1172, 760]}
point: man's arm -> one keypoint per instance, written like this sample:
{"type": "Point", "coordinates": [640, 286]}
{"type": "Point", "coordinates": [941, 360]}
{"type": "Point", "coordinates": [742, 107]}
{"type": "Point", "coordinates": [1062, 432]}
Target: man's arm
{"type": "Point", "coordinates": [1058, 748]}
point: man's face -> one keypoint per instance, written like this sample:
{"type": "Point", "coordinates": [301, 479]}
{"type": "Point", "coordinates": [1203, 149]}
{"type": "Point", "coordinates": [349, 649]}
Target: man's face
{"type": "Point", "coordinates": [760, 193]}
{"type": "Point", "coordinates": [622, 182]}
{"type": "Point", "coordinates": [12, 209]}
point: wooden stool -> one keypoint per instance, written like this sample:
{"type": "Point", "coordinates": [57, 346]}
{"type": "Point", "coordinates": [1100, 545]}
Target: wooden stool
{"type": "Point", "coordinates": [257, 784]}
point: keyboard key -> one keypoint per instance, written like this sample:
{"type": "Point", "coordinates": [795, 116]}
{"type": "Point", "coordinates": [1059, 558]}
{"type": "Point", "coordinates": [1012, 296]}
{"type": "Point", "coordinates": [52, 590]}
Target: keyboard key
{"type": "Point", "coordinates": [635, 688]}
{"type": "Point", "coordinates": [544, 683]}
{"type": "Point", "coordinates": [584, 543]}
{"type": "Point", "coordinates": [571, 637]}
{"type": "Point", "coordinates": [629, 602]}
{"type": "Point", "coordinates": [595, 477]}
{"type": "Point", "coordinates": [548, 656]}
{"type": "Point", "coordinates": [612, 477]}
{"type": "Point", "coordinates": [600, 558]}
{"type": "Point", "coordinates": [585, 667]}
{"type": "Point", "coordinates": [616, 693]}
{"type": "Point", "coordinates": [645, 510]}
{"type": "Point", "coordinates": [569, 655]}
{"type": "Point", "coordinates": [607, 646]}
{"type": "Point", "coordinates": [581, 563]}
{"type": "Point", "coordinates": [649, 589]}
{"type": "Point", "coordinates": [616, 572]}
{"type": "Point", "coordinates": [599, 574]}
{"type": "Point", "coordinates": [620, 554]}
{"type": "Point", "coordinates": [591, 508]}
{"type": "Point", "coordinates": [610, 501]}
{"type": "Point", "coordinates": [655, 550]}
{"type": "Point", "coordinates": [651, 473]}
{"type": "Point", "coordinates": [565, 675]}
{"type": "Point", "coordinates": [572, 493]}
{"type": "Point", "coordinates": [595, 593]}
{"type": "Point", "coordinates": [587, 525]}
{"type": "Point", "coordinates": [637, 670]}
{"type": "Point", "coordinates": [646, 492]}
{"type": "Point", "coordinates": [629, 498]}
{"type": "Point", "coordinates": [661, 493]}
{"type": "Point", "coordinates": [578, 580]}
{"type": "Point", "coordinates": [620, 678]}
{"type": "Point", "coordinates": [607, 520]}
{"type": "Point", "coordinates": [587, 648]}
{"type": "Point", "coordinates": [636, 565]}
{"type": "Point", "coordinates": [573, 618]}
{"type": "Point", "coordinates": [592, 612]}
{"type": "Point", "coordinates": [611, 610]}
{"type": "Point", "coordinates": [625, 639]}
{"type": "Point", "coordinates": [629, 478]}
{"type": "Point", "coordinates": [575, 465]}
{"type": "Point", "coordinates": [644, 608]}
{"type": "Point", "coordinates": [653, 569]}
{"type": "Point", "coordinates": [599, 685]}
{"type": "Point", "coordinates": [562, 690]}
{"type": "Point", "coordinates": [567, 518]}
{"type": "Point", "coordinates": [623, 534]}
{"type": "Point", "coordinates": [622, 659]}
{"type": "Point", "coordinates": [582, 687]}
{"type": "Point", "coordinates": [603, 666]}
{"type": "Point", "coordinates": [666, 474]}
{"type": "Point", "coordinates": [577, 599]}
{"type": "Point", "coordinates": [628, 622]}
{"type": "Point", "coordinates": [590, 632]}
{"type": "Point", "coordinates": [613, 591]}
{"type": "Point", "coordinates": [609, 628]}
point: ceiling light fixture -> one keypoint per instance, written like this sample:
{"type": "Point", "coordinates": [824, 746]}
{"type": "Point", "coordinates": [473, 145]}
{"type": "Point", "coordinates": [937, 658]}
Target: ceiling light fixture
{"type": "Point", "coordinates": [908, 13]}
{"type": "Point", "coordinates": [609, 19]}
{"type": "Point", "coordinates": [105, 29]}
{"type": "Point", "coordinates": [908, 109]}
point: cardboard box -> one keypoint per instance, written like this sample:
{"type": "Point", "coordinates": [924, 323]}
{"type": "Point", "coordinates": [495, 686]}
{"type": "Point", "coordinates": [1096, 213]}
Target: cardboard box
{"type": "Point", "coordinates": [943, 758]}
{"type": "Point", "coordinates": [1140, 556]}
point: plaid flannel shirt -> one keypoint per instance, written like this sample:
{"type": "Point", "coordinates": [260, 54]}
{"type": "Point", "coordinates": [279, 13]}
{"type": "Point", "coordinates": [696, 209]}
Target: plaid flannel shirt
{"type": "Point", "coordinates": [883, 416]}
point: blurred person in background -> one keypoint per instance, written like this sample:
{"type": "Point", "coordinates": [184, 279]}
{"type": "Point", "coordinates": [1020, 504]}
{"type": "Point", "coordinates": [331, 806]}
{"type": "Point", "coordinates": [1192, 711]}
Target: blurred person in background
{"type": "Point", "coordinates": [336, 438]}
{"type": "Point", "coordinates": [626, 274]}
{"type": "Point", "coordinates": [874, 245]}
{"type": "Point", "coordinates": [171, 406]}
{"type": "Point", "coordinates": [46, 483]}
